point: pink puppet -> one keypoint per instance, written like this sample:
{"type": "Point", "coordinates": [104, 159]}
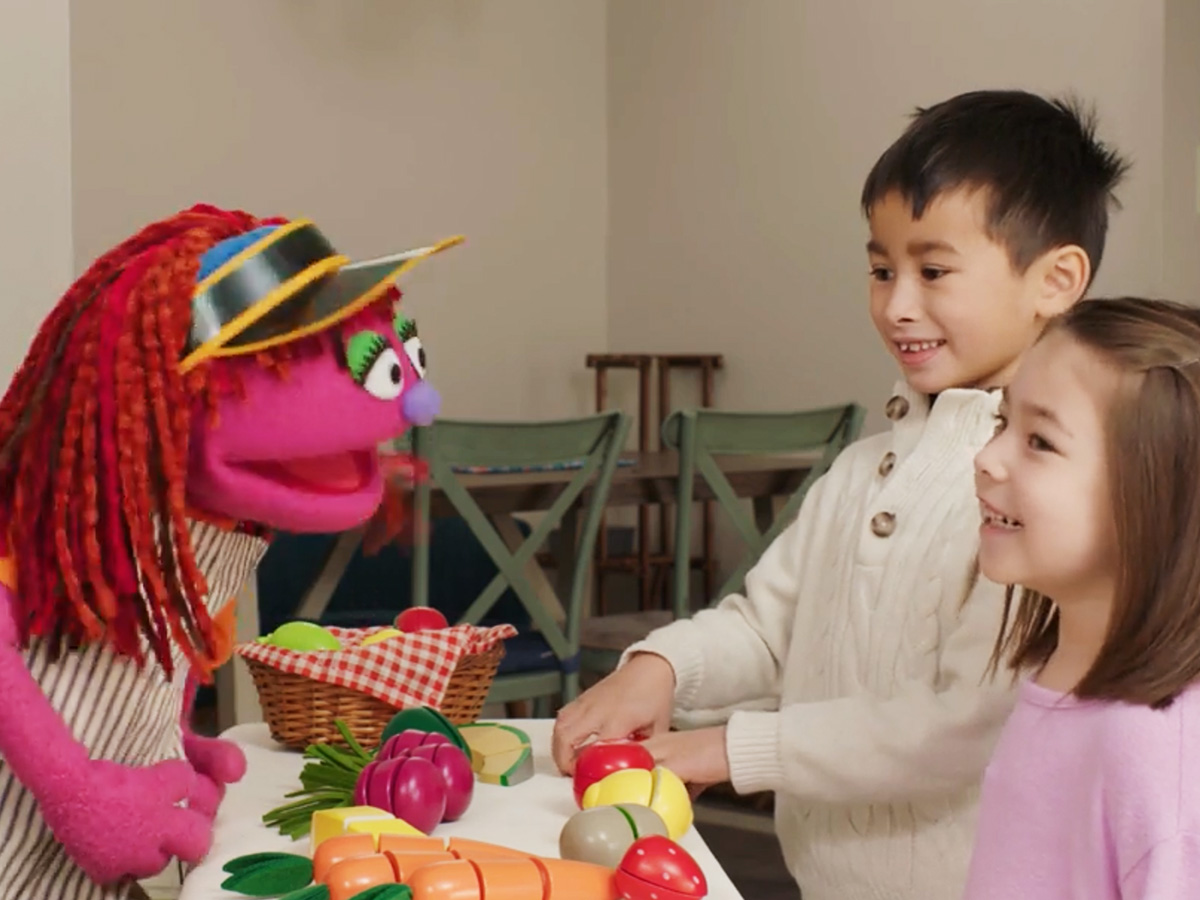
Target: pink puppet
{"type": "Point", "coordinates": [213, 378]}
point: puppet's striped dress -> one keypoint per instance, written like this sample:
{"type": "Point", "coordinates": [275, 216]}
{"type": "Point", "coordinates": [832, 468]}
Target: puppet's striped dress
{"type": "Point", "coordinates": [119, 713]}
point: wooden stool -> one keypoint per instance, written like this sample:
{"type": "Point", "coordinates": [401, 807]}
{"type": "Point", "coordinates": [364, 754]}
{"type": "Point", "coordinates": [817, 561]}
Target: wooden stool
{"type": "Point", "coordinates": [640, 562]}
{"type": "Point", "coordinates": [652, 566]}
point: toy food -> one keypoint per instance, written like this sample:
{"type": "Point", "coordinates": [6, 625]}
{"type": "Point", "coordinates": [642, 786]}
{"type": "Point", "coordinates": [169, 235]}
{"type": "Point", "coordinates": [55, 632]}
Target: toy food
{"type": "Point", "coordinates": [602, 834]}
{"type": "Point", "coordinates": [333, 850]}
{"type": "Point", "coordinates": [348, 878]}
{"type": "Point", "coordinates": [405, 742]}
{"type": "Point", "coordinates": [656, 868]}
{"type": "Point", "coordinates": [420, 618]}
{"type": "Point", "coordinates": [424, 718]}
{"type": "Point", "coordinates": [605, 757]}
{"type": "Point", "coordinates": [451, 763]}
{"type": "Point", "coordinates": [500, 754]}
{"type": "Point", "coordinates": [328, 823]}
{"type": "Point", "coordinates": [659, 789]}
{"type": "Point", "coordinates": [335, 778]}
{"type": "Point", "coordinates": [409, 787]}
{"type": "Point", "coordinates": [302, 636]}
{"type": "Point", "coordinates": [267, 874]}
{"type": "Point", "coordinates": [345, 867]}
{"type": "Point", "coordinates": [513, 879]}
{"type": "Point", "coordinates": [380, 636]}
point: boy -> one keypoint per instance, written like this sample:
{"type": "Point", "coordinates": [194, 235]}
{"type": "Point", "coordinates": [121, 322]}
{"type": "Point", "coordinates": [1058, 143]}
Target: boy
{"type": "Point", "coordinates": [865, 619]}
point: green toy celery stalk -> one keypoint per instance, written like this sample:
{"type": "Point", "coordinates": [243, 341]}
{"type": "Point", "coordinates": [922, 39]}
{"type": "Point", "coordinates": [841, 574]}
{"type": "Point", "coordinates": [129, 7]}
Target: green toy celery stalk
{"type": "Point", "coordinates": [326, 782]}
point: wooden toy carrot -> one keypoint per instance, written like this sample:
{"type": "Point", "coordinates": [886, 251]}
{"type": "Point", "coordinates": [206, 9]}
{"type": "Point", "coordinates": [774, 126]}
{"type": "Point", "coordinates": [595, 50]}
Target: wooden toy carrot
{"type": "Point", "coordinates": [454, 867]}
{"type": "Point", "coordinates": [533, 878]}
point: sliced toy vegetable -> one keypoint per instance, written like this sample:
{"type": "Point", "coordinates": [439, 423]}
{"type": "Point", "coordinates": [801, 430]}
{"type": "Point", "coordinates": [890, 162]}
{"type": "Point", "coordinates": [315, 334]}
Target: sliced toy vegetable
{"type": "Point", "coordinates": [237, 864]}
{"type": "Point", "coordinates": [424, 718]}
{"type": "Point", "coordinates": [271, 878]}
{"type": "Point", "coordinates": [312, 892]}
{"type": "Point", "coordinates": [385, 892]}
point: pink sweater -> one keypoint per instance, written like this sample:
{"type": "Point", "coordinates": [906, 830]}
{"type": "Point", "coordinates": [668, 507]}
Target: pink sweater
{"type": "Point", "coordinates": [1089, 800]}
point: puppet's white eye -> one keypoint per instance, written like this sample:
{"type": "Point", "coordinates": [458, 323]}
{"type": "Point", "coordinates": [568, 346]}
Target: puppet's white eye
{"type": "Point", "coordinates": [385, 378]}
{"type": "Point", "coordinates": [416, 354]}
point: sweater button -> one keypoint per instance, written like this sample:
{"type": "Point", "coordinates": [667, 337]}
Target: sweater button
{"type": "Point", "coordinates": [883, 524]}
{"type": "Point", "coordinates": [887, 464]}
{"type": "Point", "coordinates": [897, 408]}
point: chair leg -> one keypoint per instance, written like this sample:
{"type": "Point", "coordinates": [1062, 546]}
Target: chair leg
{"type": "Point", "coordinates": [570, 687]}
{"type": "Point", "coordinates": [542, 708]}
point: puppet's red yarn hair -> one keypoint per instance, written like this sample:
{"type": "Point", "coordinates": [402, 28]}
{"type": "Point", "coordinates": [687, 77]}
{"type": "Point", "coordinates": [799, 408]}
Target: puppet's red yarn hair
{"type": "Point", "coordinates": [94, 435]}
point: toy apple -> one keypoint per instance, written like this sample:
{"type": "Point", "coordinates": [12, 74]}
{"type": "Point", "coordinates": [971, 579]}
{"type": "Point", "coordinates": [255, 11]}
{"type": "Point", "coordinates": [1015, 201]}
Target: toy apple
{"type": "Point", "coordinates": [656, 868]}
{"type": "Point", "coordinates": [420, 618]}
{"type": "Point", "coordinates": [605, 757]}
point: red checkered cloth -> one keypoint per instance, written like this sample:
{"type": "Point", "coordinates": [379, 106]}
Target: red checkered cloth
{"type": "Point", "coordinates": [407, 670]}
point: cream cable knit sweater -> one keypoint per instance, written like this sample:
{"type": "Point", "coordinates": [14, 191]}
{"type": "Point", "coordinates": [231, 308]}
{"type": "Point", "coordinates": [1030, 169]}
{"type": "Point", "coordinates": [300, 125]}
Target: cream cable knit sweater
{"type": "Point", "coordinates": [858, 619]}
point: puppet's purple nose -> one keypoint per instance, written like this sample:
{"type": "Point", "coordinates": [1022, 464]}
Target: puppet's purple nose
{"type": "Point", "coordinates": [421, 403]}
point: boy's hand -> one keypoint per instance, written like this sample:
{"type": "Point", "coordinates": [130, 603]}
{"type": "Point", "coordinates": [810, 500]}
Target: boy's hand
{"type": "Point", "coordinates": [697, 757]}
{"type": "Point", "coordinates": [634, 700]}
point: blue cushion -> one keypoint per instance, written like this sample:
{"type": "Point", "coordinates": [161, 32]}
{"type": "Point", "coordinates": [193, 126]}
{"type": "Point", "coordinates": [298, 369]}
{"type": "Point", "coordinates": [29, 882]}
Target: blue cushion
{"type": "Point", "coordinates": [528, 651]}
{"type": "Point", "coordinates": [374, 588]}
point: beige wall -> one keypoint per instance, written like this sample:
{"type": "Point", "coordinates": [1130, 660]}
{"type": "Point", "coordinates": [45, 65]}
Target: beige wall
{"type": "Point", "coordinates": [1181, 151]}
{"type": "Point", "coordinates": [740, 134]}
{"type": "Point", "coordinates": [35, 170]}
{"type": "Point", "coordinates": [720, 214]}
{"type": "Point", "coordinates": [390, 124]}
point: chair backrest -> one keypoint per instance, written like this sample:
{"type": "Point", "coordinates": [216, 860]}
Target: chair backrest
{"type": "Point", "coordinates": [702, 434]}
{"type": "Point", "coordinates": [587, 448]}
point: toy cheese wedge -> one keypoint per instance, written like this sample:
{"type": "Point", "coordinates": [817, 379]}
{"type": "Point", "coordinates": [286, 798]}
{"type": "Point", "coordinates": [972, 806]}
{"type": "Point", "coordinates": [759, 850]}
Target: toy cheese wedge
{"type": "Point", "coordinates": [500, 754]}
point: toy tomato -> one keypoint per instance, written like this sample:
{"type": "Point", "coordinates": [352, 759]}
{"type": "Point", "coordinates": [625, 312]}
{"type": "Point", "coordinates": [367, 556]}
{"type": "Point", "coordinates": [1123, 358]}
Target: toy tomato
{"type": "Point", "coordinates": [605, 757]}
{"type": "Point", "coordinates": [656, 867]}
{"type": "Point", "coordinates": [420, 618]}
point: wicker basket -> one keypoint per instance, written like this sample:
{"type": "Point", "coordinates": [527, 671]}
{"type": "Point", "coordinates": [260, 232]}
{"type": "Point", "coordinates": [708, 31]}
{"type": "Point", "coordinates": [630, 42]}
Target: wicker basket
{"type": "Point", "coordinates": [300, 711]}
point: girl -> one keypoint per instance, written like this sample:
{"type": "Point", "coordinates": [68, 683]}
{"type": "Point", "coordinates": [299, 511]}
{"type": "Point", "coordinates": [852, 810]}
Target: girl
{"type": "Point", "coordinates": [1090, 499]}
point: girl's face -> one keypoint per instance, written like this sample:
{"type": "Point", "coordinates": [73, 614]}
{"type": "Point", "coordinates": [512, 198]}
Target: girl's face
{"type": "Point", "coordinates": [1043, 480]}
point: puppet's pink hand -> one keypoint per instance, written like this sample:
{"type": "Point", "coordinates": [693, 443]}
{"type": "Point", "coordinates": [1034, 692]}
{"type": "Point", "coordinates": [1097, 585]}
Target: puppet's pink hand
{"type": "Point", "coordinates": [113, 820]}
{"type": "Point", "coordinates": [117, 820]}
{"type": "Point", "coordinates": [217, 763]}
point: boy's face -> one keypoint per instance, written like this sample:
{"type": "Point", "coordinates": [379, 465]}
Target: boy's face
{"type": "Point", "coordinates": [945, 297]}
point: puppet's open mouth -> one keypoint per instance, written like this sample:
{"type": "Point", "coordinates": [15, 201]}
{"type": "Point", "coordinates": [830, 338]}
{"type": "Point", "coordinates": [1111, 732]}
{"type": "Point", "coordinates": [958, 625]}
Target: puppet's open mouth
{"type": "Point", "coordinates": [335, 473]}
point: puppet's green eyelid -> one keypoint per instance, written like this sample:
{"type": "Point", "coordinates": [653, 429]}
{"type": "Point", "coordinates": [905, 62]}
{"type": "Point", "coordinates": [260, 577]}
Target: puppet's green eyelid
{"type": "Point", "coordinates": [361, 352]}
{"type": "Point", "coordinates": [406, 328]}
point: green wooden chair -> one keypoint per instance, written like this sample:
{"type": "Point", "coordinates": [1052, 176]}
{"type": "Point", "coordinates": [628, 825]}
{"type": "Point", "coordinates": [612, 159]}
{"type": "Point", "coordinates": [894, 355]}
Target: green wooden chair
{"type": "Point", "coordinates": [699, 435]}
{"type": "Point", "coordinates": [544, 661]}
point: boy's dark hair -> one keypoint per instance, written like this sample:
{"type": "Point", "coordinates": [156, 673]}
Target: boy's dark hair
{"type": "Point", "coordinates": [1049, 179]}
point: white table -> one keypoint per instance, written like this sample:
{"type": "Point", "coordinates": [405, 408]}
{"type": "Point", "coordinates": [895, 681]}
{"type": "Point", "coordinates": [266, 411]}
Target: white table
{"type": "Point", "coordinates": [528, 816]}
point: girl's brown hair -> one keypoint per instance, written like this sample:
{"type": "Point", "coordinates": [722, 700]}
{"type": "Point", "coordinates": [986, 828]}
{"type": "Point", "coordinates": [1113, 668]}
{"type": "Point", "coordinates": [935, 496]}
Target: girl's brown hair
{"type": "Point", "coordinates": [1151, 651]}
